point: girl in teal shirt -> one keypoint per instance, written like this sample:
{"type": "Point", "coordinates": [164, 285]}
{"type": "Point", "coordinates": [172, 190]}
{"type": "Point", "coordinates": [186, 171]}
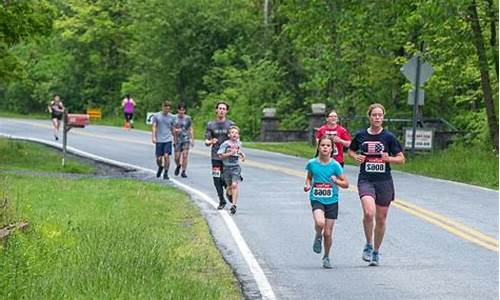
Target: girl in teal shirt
{"type": "Point", "coordinates": [324, 177]}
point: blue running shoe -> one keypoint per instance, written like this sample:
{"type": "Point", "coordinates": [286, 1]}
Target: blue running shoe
{"type": "Point", "coordinates": [317, 245]}
{"type": "Point", "coordinates": [375, 259]}
{"type": "Point", "coordinates": [326, 263]}
{"type": "Point", "coordinates": [367, 252]}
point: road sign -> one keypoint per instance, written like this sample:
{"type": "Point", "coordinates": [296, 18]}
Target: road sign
{"type": "Point", "coordinates": [409, 70]}
{"type": "Point", "coordinates": [411, 97]}
{"type": "Point", "coordinates": [149, 118]}
{"type": "Point", "coordinates": [423, 138]}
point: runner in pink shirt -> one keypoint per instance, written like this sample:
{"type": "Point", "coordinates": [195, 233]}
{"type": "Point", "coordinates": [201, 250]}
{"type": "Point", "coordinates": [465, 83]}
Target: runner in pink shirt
{"type": "Point", "coordinates": [338, 134]}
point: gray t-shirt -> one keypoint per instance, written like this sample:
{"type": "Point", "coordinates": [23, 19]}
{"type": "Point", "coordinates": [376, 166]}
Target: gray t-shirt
{"type": "Point", "coordinates": [184, 124]}
{"type": "Point", "coordinates": [164, 124]}
{"type": "Point", "coordinates": [227, 146]}
{"type": "Point", "coordinates": [218, 130]}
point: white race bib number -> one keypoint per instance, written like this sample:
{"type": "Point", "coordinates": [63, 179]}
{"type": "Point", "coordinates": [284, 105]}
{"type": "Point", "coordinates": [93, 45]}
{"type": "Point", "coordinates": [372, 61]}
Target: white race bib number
{"type": "Point", "coordinates": [322, 190]}
{"type": "Point", "coordinates": [376, 165]}
{"type": "Point", "coordinates": [216, 172]}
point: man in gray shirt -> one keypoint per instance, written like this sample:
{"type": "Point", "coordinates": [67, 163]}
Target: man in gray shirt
{"type": "Point", "coordinates": [215, 134]}
{"type": "Point", "coordinates": [163, 125]}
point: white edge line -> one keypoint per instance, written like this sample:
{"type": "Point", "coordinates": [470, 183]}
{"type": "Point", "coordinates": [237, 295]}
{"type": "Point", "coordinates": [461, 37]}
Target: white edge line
{"type": "Point", "coordinates": [264, 287]}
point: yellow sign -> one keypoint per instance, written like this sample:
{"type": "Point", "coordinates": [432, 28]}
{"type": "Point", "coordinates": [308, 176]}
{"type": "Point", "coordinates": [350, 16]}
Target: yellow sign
{"type": "Point", "coordinates": [94, 113]}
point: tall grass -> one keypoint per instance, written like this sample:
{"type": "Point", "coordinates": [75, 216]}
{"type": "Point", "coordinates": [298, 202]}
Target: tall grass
{"type": "Point", "coordinates": [109, 239]}
{"type": "Point", "coordinates": [17, 155]}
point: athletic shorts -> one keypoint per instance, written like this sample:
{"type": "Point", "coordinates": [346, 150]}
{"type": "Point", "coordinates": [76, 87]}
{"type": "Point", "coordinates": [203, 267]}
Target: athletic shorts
{"type": "Point", "coordinates": [331, 210]}
{"type": "Point", "coordinates": [231, 174]}
{"type": "Point", "coordinates": [179, 147]}
{"type": "Point", "coordinates": [381, 191]}
{"type": "Point", "coordinates": [128, 116]}
{"type": "Point", "coordinates": [163, 148]}
{"type": "Point", "coordinates": [57, 116]}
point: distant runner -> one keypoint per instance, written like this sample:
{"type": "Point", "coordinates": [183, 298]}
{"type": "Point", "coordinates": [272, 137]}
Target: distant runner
{"type": "Point", "coordinates": [56, 110]}
{"type": "Point", "coordinates": [230, 152]}
{"type": "Point", "coordinates": [128, 105]}
{"type": "Point", "coordinates": [339, 134]}
{"type": "Point", "coordinates": [215, 134]}
{"type": "Point", "coordinates": [183, 139]}
{"type": "Point", "coordinates": [324, 176]}
{"type": "Point", "coordinates": [375, 149]}
{"type": "Point", "coordinates": [163, 124]}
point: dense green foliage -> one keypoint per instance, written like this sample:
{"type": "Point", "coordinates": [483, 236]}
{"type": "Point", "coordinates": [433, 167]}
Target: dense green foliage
{"type": "Point", "coordinates": [346, 54]}
{"type": "Point", "coordinates": [103, 238]}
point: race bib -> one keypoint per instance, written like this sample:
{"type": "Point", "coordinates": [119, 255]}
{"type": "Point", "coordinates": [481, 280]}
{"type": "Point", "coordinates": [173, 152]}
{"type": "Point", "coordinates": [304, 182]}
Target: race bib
{"type": "Point", "coordinates": [375, 165]}
{"type": "Point", "coordinates": [216, 172]}
{"type": "Point", "coordinates": [322, 190]}
{"type": "Point", "coordinates": [335, 150]}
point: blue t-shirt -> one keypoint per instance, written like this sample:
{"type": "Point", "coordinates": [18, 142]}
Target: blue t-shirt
{"type": "Point", "coordinates": [372, 146]}
{"type": "Point", "coordinates": [322, 187]}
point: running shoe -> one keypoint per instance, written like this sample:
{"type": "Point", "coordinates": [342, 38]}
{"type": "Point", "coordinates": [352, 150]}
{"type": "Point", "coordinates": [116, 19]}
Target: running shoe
{"type": "Point", "coordinates": [158, 173]}
{"type": "Point", "coordinates": [56, 137]}
{"type": "Point", "coordinates": [165, 175]}
{"type": "Point", "coordinates": [183, 174]}
{"type": "Point", "coordinates": [177, 170]}
{"type": "Point", "coordinates": [233, 209]}
{"type": "Point", "coordinates": [375, 259]}
{"type": "Point", "coordinates": [221, 205]}
{"type": "Point", "coordinates": [326, 263]}
{"type": "Point", "coordinates": [317, 244]}
{"type": "Point", "coordinates": [367, 252]}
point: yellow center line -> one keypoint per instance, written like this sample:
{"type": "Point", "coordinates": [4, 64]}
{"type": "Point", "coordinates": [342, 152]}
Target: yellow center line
{"type": "Point", "coordinates": [463, 231]}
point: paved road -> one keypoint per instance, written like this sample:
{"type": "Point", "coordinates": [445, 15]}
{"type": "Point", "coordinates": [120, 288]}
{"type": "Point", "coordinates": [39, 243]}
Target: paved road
{"type": "Point", "coordinates": [441, 242]}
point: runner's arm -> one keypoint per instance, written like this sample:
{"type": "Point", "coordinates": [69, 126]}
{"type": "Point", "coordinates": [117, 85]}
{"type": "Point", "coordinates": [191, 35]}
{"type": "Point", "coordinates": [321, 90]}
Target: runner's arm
{"type": "Point", "coordinates": [341, 181]}
{"type": "Point", "coordinates": [359, 158]}
{"type": "Point", "coordinates": [398, 158]}
{"type": "Point", "coordinates": [153, 129]}
{"type": "Point", "coordinates": [307, 184]}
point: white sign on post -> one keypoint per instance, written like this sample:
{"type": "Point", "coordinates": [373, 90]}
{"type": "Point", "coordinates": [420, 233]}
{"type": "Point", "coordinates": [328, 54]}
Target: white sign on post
{"type": "Point", "coordinates": [423, 138]}
{"type": "Point", "coordinates": [149, 118]}
{"type": "Point", "coordinates": [421, 97]}
{"type": "Point", "coordinates": [409, 70]}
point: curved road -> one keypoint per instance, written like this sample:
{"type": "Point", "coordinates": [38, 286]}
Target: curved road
{"type": "Point", "coordinates": [441, 241]}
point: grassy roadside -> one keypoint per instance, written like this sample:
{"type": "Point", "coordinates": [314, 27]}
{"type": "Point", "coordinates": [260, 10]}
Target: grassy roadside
{"type": "Point", "coordinates": [452, 164]}
{"type": "Point", "coordinates": [106, 239]}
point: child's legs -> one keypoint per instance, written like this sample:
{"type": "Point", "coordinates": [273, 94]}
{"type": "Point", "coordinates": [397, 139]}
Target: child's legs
{"type": "Point", "coordinates": [327, 235]}
{"type": "Point", "coordinates": [185, 153]}
{"type": "Point", "coordinates": [234, 191]}
{"type": "Point", "coordinates": [319, 221]}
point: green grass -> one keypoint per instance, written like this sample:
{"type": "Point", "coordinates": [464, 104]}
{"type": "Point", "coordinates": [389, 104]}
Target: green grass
{"type": "Point", "coordinates": [18, 155]}
{"type": "Point", "coordinates": [109, 239]}
{"type": "Point", "coordinates": [480, 168]}
{"type": "Point", "coordinates": [104, 239]}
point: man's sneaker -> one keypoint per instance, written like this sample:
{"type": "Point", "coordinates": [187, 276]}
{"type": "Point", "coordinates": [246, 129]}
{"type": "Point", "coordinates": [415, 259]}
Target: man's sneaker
{"type": "Point", "coordinates": [326, 263]}
{"type": "Point", "coordinates": [158, 173]}
{"type": "Point", "coordinates": [221, 205]}
{"type": "Point", "coordinates": [375, 259]}
{"type": "Point", "coordinates": [183, 174]}
{"type": "Point", "coordinates": [177, 170]}
{"type": "Point", "coordinates": [56, 137]}
{"type": "Point", "coordinates": [233, 209]}
{"type": "Point", "coordinates": [367, 252]}
{"type": "Point", "coordinates": [165, 175]}
{"type": "Point", "coordinates": [317, 245]}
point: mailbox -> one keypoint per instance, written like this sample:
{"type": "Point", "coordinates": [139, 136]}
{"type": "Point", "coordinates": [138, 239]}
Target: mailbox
{"type": "Point", "coordinates": [78, 120]}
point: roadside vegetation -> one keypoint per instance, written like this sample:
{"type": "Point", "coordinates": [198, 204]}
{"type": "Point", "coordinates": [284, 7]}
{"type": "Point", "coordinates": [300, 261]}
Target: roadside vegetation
{"type": "Point", "coordinates": [103, 238]}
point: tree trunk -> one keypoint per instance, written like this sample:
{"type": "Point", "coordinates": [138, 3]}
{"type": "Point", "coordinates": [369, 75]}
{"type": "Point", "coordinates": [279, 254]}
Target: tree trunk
{"type": "Point", "coordinates": [485, 77]}
{"type": "Point", "coordinates": [493, 34]}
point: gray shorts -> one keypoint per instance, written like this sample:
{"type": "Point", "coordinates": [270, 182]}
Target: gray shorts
{"type": "Point", "coordinates": [381, 191]}
{"type": "Point", "coordinates": [331, 210]}
{"type": "Point", "coordinates": [231, 174]}
{"type": "Point", "coordinates": [181, 146]}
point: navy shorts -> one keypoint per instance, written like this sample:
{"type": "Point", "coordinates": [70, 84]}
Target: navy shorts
{"type": "Point", "coordinates": [181, 146]}
{"type": "Point", "coordinates": [381, 191]}
{"type": "Point", "coordinates": [163, 148]}
{"type": "Point", "coordinates": [128, 116]}
{"type": "Point", "coordinates": [57, 116]}
{"type": "Point", "coordinates": [331, 210]}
